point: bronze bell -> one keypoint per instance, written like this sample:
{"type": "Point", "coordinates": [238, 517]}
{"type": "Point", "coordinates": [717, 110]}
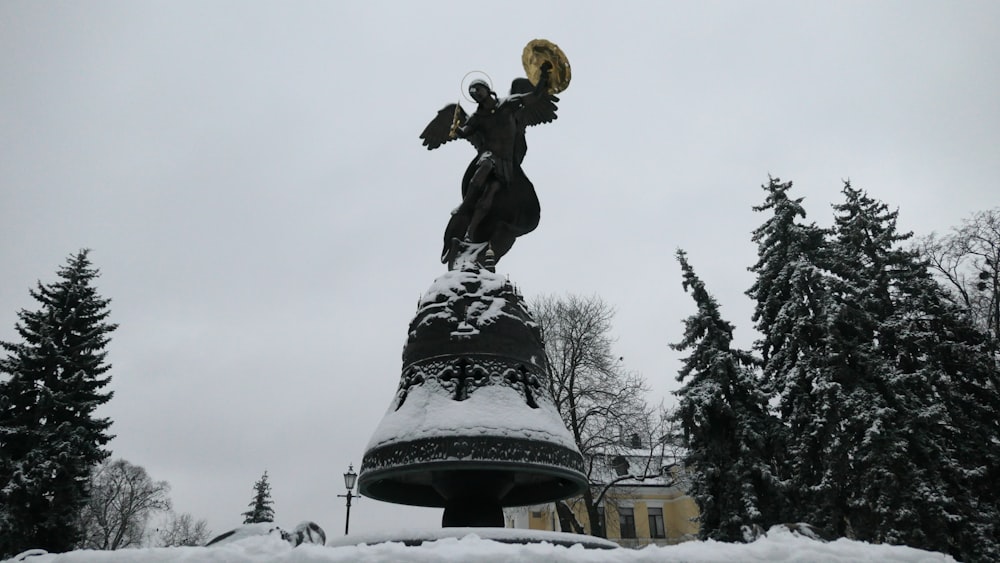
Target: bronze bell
{"type": "Point", "coordinates": [472, 427]}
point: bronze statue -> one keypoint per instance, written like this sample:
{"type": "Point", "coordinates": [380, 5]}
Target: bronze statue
{"type": "Point", "coordinates": [473, 427]}
{"type": "Point", "coordinates": [499, 202]}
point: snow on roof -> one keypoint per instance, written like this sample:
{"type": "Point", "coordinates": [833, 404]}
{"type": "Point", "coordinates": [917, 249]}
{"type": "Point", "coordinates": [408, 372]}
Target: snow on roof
{"type": "Point", "coordinates": [649, 468]}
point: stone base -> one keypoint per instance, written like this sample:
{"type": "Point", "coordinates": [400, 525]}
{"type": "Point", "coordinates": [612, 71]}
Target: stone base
{"type": "Point", "coordinates": [502, 535]}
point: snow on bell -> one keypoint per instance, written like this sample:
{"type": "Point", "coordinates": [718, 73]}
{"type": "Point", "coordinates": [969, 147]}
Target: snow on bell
{"type": "Point", "coordinates": [472, 427]}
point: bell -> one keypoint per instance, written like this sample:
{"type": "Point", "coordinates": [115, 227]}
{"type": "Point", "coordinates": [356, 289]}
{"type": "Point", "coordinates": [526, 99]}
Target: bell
{"type": "Point", "coordinates": [473, 427]}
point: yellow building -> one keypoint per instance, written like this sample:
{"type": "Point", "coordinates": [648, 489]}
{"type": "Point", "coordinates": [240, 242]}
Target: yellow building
{"type": "Point", "coordinates": [640, 507]}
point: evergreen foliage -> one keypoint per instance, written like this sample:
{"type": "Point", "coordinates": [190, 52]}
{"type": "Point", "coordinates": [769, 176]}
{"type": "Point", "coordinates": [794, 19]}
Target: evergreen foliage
{"type": "Point", "coordinates": [884, 387]}
{"type": "Point", "coordinates": [728, 432]}
{"type": "Point", "coordinates": [789, 289]}
{"type": "Point", "coordinates": [926, 421]}
{"type": "Point", "coordinates": [884, 482]}
{"type": "Point", "coordinates": [805, 367]}
{"type": "Point", "coordinates": [260, 506]}
{"type": "Point", "coordinates": [49, 437]}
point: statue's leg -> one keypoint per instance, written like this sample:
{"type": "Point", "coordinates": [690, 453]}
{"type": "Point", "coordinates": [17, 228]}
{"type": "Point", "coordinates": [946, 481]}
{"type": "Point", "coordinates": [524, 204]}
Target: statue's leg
{"type": "Point", "coordinates": [483, 205]}
{"type": "Point", "coordinates": [479, 178]}
{"type": "Point", "coordinates": [458, 225]}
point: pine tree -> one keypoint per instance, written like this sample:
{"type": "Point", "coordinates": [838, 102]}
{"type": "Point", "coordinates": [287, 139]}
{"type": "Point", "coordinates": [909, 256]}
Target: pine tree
{"type": "Point", "coordinates": [49, 436]}
{"type": "Point", "coordinates": [728, 431]}
{"type": "Point", "coordinates": [260, 506]}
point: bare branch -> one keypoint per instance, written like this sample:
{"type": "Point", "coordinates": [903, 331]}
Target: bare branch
{"type": "Point", "coordinates": [601, 403]}
{"type": "Point", "coordinates": [122, 499]}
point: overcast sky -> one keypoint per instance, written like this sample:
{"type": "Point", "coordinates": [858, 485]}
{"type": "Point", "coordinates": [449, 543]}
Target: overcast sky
{"type": "Point", "coordinates": [250, 179]}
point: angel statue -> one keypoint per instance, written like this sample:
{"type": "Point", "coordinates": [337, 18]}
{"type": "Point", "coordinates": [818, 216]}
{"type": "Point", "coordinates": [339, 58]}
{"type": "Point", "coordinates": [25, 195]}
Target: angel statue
{"type": "Point", "coordinates": [499, 202]}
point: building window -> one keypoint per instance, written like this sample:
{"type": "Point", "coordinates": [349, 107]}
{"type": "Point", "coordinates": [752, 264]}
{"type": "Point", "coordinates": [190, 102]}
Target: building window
{"type": "Point", "coordinates": [656, 529]}
{"type": "Point", "coordinates": [626, 522]}
{"type": "Point", "coordinates": [620, 465]}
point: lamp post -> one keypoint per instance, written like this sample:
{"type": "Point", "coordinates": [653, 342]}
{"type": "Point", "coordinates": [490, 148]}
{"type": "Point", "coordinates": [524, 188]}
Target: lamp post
{"type": "Point", "coordinates": [349, 478]}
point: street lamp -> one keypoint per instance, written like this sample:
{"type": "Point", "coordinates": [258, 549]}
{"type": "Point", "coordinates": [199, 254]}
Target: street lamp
{"type": "Point", "coordinates": [349, 478]}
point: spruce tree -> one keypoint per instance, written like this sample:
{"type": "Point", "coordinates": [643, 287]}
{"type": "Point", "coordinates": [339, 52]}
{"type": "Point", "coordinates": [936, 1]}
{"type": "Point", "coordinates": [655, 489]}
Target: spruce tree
{"type": "Point", "coordinates": [924, 434]}
{"type": "Point", "coordinates": [793, 300]}
{"type": "Point", "coordinates": [941, 373]}
{"type": "Point", "coordinates": [878, 430]}
{"type": "Point", "coordinates": [790, 277]}
{"type": "Point", "coordinates": [886, 389]}
{"type": "Point", "coordinates": [728, 431]}
{"type": "Point", "coordinates": [260, 506]}
{"type": "Point", "coordinates": [969, 428]}
{"type": "Point", "coordinates": [52, 383]}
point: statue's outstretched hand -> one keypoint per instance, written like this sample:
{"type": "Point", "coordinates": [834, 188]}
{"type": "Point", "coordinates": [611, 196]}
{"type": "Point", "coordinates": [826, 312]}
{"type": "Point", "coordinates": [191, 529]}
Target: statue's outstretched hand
{"type": "Point", "coordinates": [546, 67]}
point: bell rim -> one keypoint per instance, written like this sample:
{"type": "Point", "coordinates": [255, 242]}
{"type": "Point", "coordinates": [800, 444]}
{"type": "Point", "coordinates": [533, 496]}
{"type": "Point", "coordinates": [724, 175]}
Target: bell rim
{"type": "Point", "coordinates": [565, 483]}
{"type": "Point", "coordinates": [409, 481]}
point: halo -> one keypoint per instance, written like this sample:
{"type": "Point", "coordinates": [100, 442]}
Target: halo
{"type": "Point", "coordinates": [469, 78]}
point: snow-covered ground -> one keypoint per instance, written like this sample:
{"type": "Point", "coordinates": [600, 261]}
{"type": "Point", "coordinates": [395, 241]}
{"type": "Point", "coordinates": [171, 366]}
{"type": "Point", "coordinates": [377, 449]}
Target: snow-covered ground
{"type": "Point", "coordinates": [780, 544]}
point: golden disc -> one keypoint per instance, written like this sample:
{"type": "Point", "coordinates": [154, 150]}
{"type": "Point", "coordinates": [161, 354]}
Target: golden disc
{"type": "Point", "coordinates": [536, 52]}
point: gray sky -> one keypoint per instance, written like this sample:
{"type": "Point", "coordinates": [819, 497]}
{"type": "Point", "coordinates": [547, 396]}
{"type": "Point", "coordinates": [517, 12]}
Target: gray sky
{"type": "Point", "coordinates": [249, 177]}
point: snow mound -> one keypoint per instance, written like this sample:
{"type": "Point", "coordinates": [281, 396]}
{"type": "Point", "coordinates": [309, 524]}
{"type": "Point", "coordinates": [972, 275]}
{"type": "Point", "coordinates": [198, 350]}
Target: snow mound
{"type": "Point", "coordinates": [779, 544]}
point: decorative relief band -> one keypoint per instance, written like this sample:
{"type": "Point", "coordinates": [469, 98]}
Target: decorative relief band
{"type": "Point", "coordinates": [461, 377]}
{"type": "Point", "coordinates": [472, 449]}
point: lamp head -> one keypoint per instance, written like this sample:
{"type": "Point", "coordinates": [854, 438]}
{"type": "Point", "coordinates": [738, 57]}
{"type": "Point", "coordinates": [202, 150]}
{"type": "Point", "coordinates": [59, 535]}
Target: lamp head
{"type": "Point", "coordinates": [350, 477]}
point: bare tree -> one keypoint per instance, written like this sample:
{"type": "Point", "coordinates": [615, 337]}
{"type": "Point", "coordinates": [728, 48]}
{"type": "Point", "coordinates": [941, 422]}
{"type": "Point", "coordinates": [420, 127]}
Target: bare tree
{"type": "Point", "coordinates": [122, 499]}
{"type": "Point", "coordinates": [968, 261]}
{"type": "Point", "coordinates": [602, 404]}
{"type": "Point", "coordinates": [183, 530]}
{"type": "Point", "coordinates": [614, 470]}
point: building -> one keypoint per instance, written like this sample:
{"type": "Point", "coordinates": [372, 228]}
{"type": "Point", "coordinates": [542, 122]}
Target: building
{"type": "Point", "coordinates": [643, 501]}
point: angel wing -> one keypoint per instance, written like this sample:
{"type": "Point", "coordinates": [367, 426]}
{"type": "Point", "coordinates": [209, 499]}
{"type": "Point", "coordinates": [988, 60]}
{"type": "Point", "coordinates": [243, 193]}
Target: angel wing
{"type": "Point", "coordinates": [541, 110]}
{"type": "Point", "coordinates": [438, 131]}
{"type": "Point", "coordinates": [536, 109]}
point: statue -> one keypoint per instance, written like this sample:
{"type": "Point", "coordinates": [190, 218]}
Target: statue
{"type": "Point", "coordinates": [499, 202]}
{"type": "Point", "coordinates": [473, 427]}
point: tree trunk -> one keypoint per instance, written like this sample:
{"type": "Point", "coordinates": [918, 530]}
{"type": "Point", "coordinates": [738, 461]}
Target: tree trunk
{"type": "Point", "coordinates": [597, 524]}
{"type": "Point", "coordinates": [567, 520]}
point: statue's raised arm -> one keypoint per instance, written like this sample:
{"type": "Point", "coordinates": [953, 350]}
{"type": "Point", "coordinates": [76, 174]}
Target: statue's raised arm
{"type": "Point", "coordinates": [498, 201]}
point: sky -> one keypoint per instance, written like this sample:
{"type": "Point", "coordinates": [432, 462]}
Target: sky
{"type": "Point", "coordinates": [250, 180]}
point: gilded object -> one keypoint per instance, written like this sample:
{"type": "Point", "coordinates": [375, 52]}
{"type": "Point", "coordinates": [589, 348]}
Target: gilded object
{"type": "Point", "coordinates": [537, 52]}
